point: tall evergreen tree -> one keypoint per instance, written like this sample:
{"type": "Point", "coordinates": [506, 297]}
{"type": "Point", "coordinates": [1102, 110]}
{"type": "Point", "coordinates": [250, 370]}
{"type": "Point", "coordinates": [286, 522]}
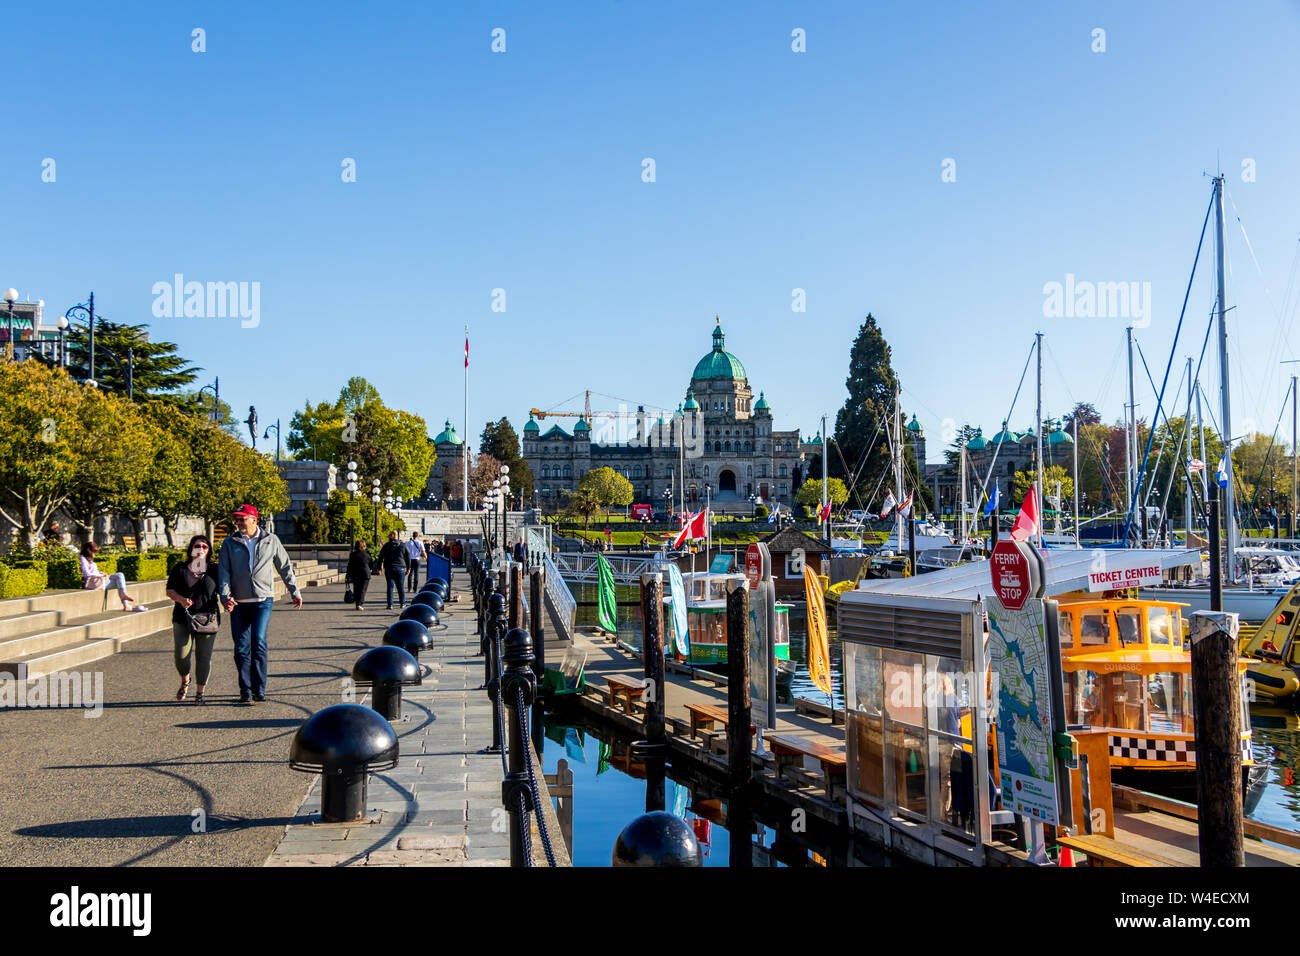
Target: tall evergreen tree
{"type": "Point", "coordinates": [156, 366]}
{"type": "Point", "coordinates": [866, 414]}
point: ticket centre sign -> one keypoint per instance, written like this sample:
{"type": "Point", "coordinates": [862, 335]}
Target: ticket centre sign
{"type": "Point", "coordinates": [1108, 579]}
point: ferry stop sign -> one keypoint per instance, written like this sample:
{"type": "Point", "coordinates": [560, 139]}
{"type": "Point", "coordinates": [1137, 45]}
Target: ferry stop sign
{"type": "Point", "coordinates": [1017, 573]}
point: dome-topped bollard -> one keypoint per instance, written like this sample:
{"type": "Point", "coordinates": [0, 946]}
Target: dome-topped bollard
{"type": "Point", "coordinates": [423, 613]}
{"type": "Point", "coordinates": [384, 670]}
{"type": "Point", "coordinates": [344, 744]}
{"type": "Point", "coordinates": [427, 597]}
{"type": "Point", "coordinates": [657, 839]}
{"type": "Point", "coordinates": [411, 636]}
{"type": "Point", "coordinates": [439, 583]}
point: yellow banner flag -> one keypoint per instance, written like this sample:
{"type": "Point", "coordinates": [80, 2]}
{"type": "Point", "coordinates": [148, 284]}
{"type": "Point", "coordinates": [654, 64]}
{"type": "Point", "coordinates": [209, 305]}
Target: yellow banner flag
{"type": "Point", "coordinates": [819, 648]}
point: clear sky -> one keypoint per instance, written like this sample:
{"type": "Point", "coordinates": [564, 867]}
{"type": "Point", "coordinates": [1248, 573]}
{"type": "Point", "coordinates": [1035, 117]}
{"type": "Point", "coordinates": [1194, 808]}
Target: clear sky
{"type": "Point", "coordinates": [775, 170]}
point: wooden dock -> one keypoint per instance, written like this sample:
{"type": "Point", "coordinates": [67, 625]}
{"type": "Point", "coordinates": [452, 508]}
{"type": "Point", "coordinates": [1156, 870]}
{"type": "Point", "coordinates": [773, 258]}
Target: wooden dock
{"type": "Point", "coordinates": [1155, 827]}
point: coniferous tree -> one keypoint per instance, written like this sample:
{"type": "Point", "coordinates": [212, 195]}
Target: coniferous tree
{"type": "Point", "coordinates": [500, 440]}
{"type": "Point", "coordinates": [155, 366]}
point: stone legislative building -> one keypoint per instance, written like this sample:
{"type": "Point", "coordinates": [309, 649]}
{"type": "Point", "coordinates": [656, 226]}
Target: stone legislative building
{"type": "Point", "coordinates": [720, 436]}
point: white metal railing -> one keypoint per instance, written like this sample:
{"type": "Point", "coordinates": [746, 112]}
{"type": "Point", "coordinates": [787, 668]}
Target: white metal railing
{"type": "Point", "coordinates": [583, 566]}
{"type": "Point", "coordinates": [560, 597]}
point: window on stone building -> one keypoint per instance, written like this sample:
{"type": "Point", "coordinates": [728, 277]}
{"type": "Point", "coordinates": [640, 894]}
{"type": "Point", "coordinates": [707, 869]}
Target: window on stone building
{"type": "Point", "coordinates": [782, 473]}
{"type": "Point", "coordinates": [717, 447]}
{"type": "Point", "coordinates": [727, 446]}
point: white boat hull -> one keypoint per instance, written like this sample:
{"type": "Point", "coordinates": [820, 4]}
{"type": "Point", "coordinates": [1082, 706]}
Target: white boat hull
{"type": "Point", "coordinates": [1251, 606]}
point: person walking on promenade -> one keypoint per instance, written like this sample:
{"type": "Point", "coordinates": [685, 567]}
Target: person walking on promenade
{"type": "Point", "coordinates": [393, 559]}
{"type": "Point", "coordinates": [192, 584]}
{"type": "Point", "coordinates": [247, 589]}
{"type": "Point", "coordinates": [94, 580]}
{"type": "Point", "coordinates": [414, 554]}
{"type": "Point", "coordinates": [457, 552]}
{"type": "Point", "coordinates": [358, 575]}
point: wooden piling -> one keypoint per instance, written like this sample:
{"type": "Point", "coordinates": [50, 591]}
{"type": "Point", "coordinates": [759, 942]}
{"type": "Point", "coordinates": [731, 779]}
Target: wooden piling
{"type": "Point", "coordinates": [652, 652]}
{"type": "Point", "coordinates": [739, 744]}
{"type": "Point", "coordinates": [1216, 697]}
{"type": "Point", "coordinates": [537, 621]}
{"type": "Point", "coordinates": [1216, 560]}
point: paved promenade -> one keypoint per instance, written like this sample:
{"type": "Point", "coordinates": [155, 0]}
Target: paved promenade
{"type": "Point", "coordinates": [439, 805]}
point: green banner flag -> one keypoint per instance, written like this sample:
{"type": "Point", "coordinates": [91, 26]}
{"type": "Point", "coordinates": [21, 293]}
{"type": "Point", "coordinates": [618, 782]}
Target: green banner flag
{"type": "Point", "coordinates": [606, 603]}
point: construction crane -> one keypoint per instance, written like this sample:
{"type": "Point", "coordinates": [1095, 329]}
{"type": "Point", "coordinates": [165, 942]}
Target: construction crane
{"type": "Point", "coordinates": [587, 412]}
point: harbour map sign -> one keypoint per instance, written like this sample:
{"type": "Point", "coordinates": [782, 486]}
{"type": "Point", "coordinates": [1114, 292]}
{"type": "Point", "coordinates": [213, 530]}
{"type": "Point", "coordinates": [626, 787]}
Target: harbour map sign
{"type": "Point", "coordinates": [1018, 655]}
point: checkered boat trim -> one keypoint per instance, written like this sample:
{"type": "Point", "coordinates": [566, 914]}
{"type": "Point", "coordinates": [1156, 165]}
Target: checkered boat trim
{"type": "Point", "coordinates": [1163, 749]}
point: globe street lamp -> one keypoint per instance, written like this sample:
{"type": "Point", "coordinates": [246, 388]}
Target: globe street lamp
{"type": "Point", "coordinates": [374, 497]}
{"type": "Point", "coordinates": [11, 296]}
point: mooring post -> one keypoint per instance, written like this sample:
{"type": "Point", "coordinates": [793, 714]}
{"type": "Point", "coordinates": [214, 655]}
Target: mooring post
{"type": "Point", "coordinates": [485, 627]}
{"type": "Point", "coordinates": [1216, 699]}
{"type": "Point", "coordinates": [739, 744]}
{"type": "Point", "coordinates": [1216, 560]}
{"type": "Point", "coordinates": [652, 644]}
{"type": "Point", "coordinates": [517, 680]}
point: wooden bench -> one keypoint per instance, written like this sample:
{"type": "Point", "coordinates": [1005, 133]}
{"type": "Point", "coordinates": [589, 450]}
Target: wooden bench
{"type": "Point", "coordinates": [789, 750]}
{"type": "Point", "coordinates": [629, 688]}
{"type": "Point", "coordinates": [704, 715]}
{"type": "Point", "coordinates": [129, 542]}
{"type": "Point", "coordinates": [1102, 851]}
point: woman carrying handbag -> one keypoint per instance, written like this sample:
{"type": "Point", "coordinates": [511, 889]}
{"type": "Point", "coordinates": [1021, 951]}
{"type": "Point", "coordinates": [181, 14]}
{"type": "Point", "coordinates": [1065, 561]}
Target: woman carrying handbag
{"type": "Point", "coordinates": [195, 619]}
{"type": "Point", "coordinates": [358, 576]}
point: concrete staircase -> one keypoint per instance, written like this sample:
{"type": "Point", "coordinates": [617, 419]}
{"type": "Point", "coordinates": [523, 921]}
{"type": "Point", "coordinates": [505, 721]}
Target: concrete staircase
{"type": "Point", "coordinates": [62, 630]}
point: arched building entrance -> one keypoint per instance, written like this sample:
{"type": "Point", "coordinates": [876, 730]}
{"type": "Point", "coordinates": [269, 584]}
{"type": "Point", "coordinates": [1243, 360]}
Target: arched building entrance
{"type": "Point", "coordinates": [727, 481]}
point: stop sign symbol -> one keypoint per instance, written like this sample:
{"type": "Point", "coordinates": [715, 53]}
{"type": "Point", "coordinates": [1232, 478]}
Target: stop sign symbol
{"type": "Point", "coordinates": [1014, 569]}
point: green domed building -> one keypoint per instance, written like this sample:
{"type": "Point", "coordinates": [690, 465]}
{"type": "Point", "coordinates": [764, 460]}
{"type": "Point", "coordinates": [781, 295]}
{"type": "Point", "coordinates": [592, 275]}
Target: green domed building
{"type": "Point", "coordinates": [725, 437]}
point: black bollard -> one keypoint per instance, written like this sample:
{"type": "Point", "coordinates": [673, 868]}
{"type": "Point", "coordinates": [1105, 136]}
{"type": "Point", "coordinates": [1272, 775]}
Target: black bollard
{"type": "Point", "coordinates": [1216, 698]}
{"type": "Point", "coordinates": [519, 687]}
{"type": "Point", "coordinates": [423, 613]}
{"type": "Point", "coordinates": [657, 839]}
{"type": "Point", "coordinates": [385, 669]}
{"type": "Point", "coordinates": [740, 767]}
{"type": "Point", "coordinates": [652, 652]}
{"type": "Point", "coordinates": [496, 630]}
{"type": "Point", "coordinates": [344, 744]}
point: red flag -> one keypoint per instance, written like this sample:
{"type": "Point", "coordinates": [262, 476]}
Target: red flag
{"type": "Point", "coordinates": [686, 530]}
{"type": "Point", "coordinates": [824, 512]}
{"type": "Point", "coordinates": [1026, 525]}
{"type": "Point", "coordinates": [467, 350]}
{"type": "Point", "coordinates": [700, 524]}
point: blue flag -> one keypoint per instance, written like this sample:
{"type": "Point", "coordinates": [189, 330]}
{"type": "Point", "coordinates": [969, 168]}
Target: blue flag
{"type": "Point", "coordinates": [1221, 473]}
{"type": "Point", "coordinates": [992, 506]}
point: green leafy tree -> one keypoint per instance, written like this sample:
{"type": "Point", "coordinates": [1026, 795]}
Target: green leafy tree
{"type": "Point", "coordinates": [199, 405]}
{"type": "Point", "coordinates": [166, 475]}
{"type": "Point", "coordinates": [607, 487]}
{"type": "Point", "coordinates": [810, 492]}
{"type": "Point", "coordinates": [581, 504]}
{"type": "Point", "coordinates": [1024, 480]}
{"type": "Point", "coordinates": [156, 368]}
{"type": "Point", "coordinates": [389, 444]}
{"type": "Point", "coordinates": [115, 454]}
{"type": "Point", "coordinates": [42, 440]}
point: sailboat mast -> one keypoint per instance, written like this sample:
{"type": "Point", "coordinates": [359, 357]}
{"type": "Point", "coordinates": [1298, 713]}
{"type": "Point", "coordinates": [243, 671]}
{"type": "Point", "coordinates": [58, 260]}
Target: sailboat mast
{"type": "Point", "coordinates": [963, 492]}
{"type": "Point", "coordinates": [1038, 480]}
{"type": "Point", "coordinates": [825, 495]}
{"type": "Point", "coordinates": [1229, 509]}
{"type": "Point", "coordinates": [898, 466]}
{"type": "Point", "coordinates": [1077, 545]}
{"type": "Point", "coordinates": [1187, 429]}
{"type": "Point", "coordinates": [1130, 444]}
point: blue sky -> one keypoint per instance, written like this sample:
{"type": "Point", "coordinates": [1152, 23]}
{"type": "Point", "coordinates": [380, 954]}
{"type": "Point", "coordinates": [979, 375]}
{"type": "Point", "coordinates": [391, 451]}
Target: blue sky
{"type": "Point", "coordinates": [774, 171]}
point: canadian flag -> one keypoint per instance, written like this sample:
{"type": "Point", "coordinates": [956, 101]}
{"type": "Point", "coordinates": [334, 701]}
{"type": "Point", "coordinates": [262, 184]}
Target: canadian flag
{"type": "Point", "coordinates": [693, 526]}
{"type": "Point", "coordinates": [888, 506]}
{"type": "Point", "coordinates": [467, 350]}
{"type": "Point", "coordinates": [1026, 525]}
{"type": "Point", "coordinates": [824, 512]}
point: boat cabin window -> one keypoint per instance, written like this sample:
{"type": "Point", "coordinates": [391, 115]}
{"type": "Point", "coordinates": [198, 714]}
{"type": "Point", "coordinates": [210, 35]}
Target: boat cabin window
{"type": "Point", "coordinates": [1130, 625]}
{"type": "Point", "coordinates": [1166, 711]}
{"type": "Point", "coordinates": [1094, 628]}
{"type": "Point", "coordinates": [1160, 626]}
{"type": "Point", "coordinates": [1067, 628]}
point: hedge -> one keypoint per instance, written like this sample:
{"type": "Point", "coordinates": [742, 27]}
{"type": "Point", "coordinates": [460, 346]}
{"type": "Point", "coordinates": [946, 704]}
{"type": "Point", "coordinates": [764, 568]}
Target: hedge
{"type": "Point", "coordinates": [143, 567]}
{"type": "Point", "coordinates": [64, 573]}
{"type": "Point", "coordinates": [22, 578]}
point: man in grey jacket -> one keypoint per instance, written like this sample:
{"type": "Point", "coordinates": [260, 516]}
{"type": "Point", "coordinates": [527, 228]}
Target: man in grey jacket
{"type": "Point", "coordinates": [247, 590]}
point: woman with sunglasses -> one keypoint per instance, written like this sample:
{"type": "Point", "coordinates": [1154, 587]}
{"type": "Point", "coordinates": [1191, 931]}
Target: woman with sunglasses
{"type": "Point", "coordinates": [192, 584]}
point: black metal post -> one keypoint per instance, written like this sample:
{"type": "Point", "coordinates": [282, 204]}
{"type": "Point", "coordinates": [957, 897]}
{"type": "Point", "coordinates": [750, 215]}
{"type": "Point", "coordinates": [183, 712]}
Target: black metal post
{"type": "Point", "coordinates": [496, 631]}
{"type": "Point", "coordinates": [518, 686]}
{"type": "Point", "coordinates": [537, 629]}
{"type": "Point", "coordinates": [1216, 562]}
{"type": "Point", "coordinates": [740, 767]}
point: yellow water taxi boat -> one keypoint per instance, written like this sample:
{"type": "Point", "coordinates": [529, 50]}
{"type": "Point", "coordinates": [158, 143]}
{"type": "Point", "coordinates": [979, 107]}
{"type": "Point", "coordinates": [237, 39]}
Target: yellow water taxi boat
{"type": "Point", "coordinates": [1274, 668]}
{"type": "Point", "coordinates": [1128, 669]}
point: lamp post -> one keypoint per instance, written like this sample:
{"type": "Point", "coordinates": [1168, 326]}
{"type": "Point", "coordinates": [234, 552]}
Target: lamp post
{"type": "Point", "coordinates": [216, 394]}
{"type": "Point", "coordinates": [63, 340]}
{"type": "Point", "coordinates": [11, 296]}
{"type": "Point", "coordinates": [503, 528]}
{"type": "Point", "coordinates": [86, 311]}
{"type": "Point", "coordinates": [267, 434]}
{"type": "Point", "coordinates": [374, 496]}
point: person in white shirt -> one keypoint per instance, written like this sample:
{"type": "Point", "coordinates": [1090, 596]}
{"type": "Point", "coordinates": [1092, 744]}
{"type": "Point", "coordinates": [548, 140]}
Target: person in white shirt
{"type": "Point", "coordinates": [94, 580]}
{"type": "Point", "coordinates": [415, 554]}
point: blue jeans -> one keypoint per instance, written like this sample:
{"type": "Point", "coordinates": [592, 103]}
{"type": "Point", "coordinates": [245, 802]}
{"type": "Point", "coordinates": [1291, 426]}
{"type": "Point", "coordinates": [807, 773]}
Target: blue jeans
{"type": "Point", "coordinates": [413, 576]}
{"type": "Point", "coordinates": [396, 579]}
{"type": "Point", "coordinates": [248, 626]}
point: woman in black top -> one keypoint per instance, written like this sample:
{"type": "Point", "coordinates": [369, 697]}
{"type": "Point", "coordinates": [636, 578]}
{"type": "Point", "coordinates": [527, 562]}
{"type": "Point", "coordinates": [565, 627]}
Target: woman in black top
{"type": "Point", "coordinates": [358, 574]}
{"type": "Point", "coordinates": [193, 586]}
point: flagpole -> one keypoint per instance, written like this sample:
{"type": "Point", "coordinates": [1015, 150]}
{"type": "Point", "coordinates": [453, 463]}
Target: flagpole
{"type": "Point", "coordinates": [1038, 481]}
{"type": "Point", "coordinates": [465, 443]}
{"type": "Point", "coordinates": [825, 445]}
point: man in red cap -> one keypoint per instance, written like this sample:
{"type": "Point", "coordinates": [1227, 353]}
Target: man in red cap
{"type": "Point", "coordinates": [246, 585]}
